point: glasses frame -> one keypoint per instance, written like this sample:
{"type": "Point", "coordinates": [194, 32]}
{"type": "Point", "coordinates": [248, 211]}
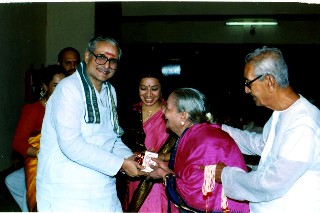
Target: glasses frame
{"type": "Point", "coordinates": [248, 83]}
{"type": "Point", "coordinates": [107, 59]}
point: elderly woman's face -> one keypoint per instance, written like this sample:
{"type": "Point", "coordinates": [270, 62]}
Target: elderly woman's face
{"type": "Point", "coordinates": [172, 116]}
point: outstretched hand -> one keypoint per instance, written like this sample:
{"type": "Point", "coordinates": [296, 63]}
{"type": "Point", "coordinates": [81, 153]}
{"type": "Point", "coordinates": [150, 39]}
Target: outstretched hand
{"type": "Point", "coordinates": [132, 168]}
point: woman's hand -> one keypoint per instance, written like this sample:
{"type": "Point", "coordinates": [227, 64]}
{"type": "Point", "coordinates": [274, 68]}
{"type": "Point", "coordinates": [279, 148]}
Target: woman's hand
{"type": "Point", "coordinates": [160, 170]}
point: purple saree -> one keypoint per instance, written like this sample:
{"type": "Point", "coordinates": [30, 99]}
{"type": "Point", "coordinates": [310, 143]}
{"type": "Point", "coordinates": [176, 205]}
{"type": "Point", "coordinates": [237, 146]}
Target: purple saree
{"type": "Point", "coordinates": [201, 145]}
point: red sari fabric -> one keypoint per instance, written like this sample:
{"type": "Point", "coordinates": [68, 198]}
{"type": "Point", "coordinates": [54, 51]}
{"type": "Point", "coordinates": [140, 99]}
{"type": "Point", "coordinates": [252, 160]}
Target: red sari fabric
{"type": "Point", "coordinates": [28, 134]}
{"type": "Point", "coordinates": [202, 145]}
{"type": "Point", "coordinates": [29, 124]}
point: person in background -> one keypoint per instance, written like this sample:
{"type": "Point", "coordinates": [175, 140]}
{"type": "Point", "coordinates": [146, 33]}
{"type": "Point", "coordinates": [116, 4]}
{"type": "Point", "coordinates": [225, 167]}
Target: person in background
{"type": "Point", "coordinates": [26, 141]}
{"type": "Point", "coordinates": [146, 130]}
{"type": "Point", "coordinates": [81, 148]}
{"type": "Point", "coordinates": [69, 58]}
{"type": "Point", "coordinates": [288, 175]}
{"type": "Point", "coordinates": [201, 145]}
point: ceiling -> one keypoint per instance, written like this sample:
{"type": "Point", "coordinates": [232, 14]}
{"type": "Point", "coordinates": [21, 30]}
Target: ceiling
{"type": "Point", "coordinates": [211, 10]}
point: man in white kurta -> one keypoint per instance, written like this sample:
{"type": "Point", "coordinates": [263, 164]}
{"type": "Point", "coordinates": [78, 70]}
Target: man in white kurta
{"type": "Point", "coordinates": [288, 179]}
{"type": "Point", "coordinates": [79, 159]}
{"type": "Point", "coordinates": [288, 176]}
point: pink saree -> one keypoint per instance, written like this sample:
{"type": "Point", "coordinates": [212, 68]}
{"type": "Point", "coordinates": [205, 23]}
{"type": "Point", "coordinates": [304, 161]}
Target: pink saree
{"type": "Point", "coordinates": [156, 136]}
{"type": "Point", "coordinates": [202, 145]}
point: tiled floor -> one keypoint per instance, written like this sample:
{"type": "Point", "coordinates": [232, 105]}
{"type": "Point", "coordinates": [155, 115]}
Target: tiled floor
{"type": "Point", "coordinates": [7, 203]}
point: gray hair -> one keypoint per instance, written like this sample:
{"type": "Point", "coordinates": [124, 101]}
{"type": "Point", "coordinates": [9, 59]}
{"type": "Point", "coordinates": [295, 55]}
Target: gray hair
{"type": "Point", "coordinates": [270, 61]}
{"type": "Point", "coordinates": [92, 45]}
{"type": "Point", "coordinates": [193, 102]}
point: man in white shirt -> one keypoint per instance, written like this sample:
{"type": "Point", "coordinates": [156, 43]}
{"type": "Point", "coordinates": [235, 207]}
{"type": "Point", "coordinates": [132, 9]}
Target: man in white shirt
{"type": "Point", "coordinates": [81, 149]}
{"type": "Point", "coordinates": [288, 175]}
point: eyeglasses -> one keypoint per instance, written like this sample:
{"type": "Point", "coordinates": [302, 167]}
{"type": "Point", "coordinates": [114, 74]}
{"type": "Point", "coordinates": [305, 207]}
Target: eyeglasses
{"type": "Point", "coordinates": [248, 83]}
{"type": "Point", "coordinates": [102, 60]}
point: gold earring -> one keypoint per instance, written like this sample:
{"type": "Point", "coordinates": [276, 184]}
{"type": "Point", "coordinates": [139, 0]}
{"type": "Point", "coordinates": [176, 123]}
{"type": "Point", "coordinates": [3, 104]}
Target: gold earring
{"type": "Point", "coordinates": [43, 92]}
{"type": "Point", "coordinates": [182, 123]}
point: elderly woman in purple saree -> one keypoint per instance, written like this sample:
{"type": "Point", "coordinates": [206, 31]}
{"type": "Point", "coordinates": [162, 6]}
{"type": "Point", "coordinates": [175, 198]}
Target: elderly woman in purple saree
{"type": "Point", "coordinates": [200, 146]}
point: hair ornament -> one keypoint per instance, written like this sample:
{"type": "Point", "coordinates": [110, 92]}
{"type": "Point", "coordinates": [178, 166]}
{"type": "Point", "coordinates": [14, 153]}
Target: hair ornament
{"type": "Point", "coordinates": [209, 117]}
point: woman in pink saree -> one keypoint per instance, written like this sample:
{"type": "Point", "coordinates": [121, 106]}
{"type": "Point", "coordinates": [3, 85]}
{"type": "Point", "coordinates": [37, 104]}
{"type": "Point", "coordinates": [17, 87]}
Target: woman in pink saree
{"type": "Point", "coordinates": [147, 131]}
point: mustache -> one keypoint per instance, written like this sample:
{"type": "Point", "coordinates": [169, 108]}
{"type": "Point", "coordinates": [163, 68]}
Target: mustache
{"type": "Point", "coordinates": [71, 70]}
{"type": "Point", "coordinates": [107, 70]}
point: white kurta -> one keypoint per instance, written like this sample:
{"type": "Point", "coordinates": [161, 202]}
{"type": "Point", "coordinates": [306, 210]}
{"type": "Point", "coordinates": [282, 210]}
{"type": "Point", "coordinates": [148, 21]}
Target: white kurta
{"type": "Point", "coordinates": [77, 160]}
{"type": "Point", "coordinates": [288, 179]}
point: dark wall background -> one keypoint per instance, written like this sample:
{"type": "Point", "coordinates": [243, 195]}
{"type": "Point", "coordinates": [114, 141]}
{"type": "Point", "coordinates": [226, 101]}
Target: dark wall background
{"type": "Point", "coordinates": [215, 68]}
{"type": "Point", "coordinates": [217, 71]}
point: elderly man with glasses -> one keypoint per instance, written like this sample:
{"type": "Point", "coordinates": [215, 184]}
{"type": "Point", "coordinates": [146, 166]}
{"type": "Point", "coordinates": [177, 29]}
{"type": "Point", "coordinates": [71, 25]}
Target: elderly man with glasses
{"type": "Point", "coordinates": [81, 149]}
{"type": "Point", "coordinates": [288, 175]}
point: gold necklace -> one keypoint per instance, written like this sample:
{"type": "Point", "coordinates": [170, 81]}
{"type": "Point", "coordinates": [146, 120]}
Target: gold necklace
{"type": "Point", "coordinates": [150, 112]}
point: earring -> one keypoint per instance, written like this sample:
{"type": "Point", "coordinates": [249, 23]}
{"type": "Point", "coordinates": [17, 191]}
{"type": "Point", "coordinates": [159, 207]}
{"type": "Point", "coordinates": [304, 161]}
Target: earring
{"type": "Point", "coordinates": [182, 123]}
{"type": "Point", "coordinates": [43, 93]}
